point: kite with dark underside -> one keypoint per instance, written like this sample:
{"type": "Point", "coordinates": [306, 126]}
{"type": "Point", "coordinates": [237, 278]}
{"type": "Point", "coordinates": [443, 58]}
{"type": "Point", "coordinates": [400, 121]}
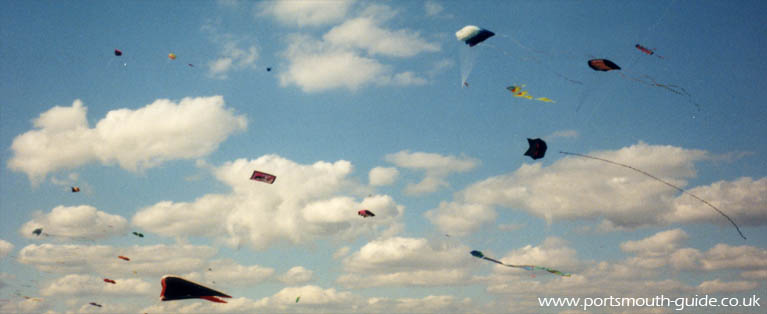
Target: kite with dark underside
{"type": "Point", "coordinates": [177, 288]}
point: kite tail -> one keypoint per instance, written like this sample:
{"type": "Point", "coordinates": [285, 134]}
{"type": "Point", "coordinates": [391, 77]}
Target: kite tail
{"type": "Point", "coordinates": [664, 182]}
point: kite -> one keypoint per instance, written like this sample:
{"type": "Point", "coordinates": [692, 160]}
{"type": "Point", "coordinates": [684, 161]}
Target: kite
{"type": "Point", "coordinates": [298, 298]}
{"type": "Point", "coordinates": [75, 189]}
{"type": "Point", "coordinates": [268, 69]}
{"type": "Point", "coordinates": [109, 281]}
{"type": "Point", "coordinates": [603, 65]}
{"type": "Point", "coordinates": [138, 234]}
{"type": "Point", "coordinates": [95, 304]}
{"type": "Point", "coordinates": [473, 35]}
{"type": "Point", "coordinates": [123, 258]}
{"type": "Point", "coordinates": [365, 213]}
{"type": "Point", "coordinates": [263, 177]}
{"type": "Point", "coordinates": [537, 148]}
{"type": "Point", "coordinates": [479, 254]}
{"type": "Point", "coordinates": [518, 92]}
{"type": "Point", "coordinates": [118, 52]}
{"type": "Point", "coordinates": [647, 51]}
{"type": "Point", "coordinates": [172, 56]}
{"type": "Point", "coordinates": [664, 182]}
{"type": "Point", "coordinates": [176, 288]}
{"type": "Point", "coordinates": [38, 231]}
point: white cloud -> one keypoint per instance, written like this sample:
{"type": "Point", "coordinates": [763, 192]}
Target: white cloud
{"type": "Point", "coordinates": [5, 248]}
{"type": "Point", "coordinates": [718, 287]}
{"type": "Point", "coordinates": [135, 139]}
{"type": "Point", "coordinates": [460, 218]}
{"type": "Point", "coordinates": [341, 252]}
{"type": "Point", "coordinates": [399, 261]}
{"type": "Point", "coordinates": [743, 200]}
{"type": "Point", "coordinates": [236, 52]}
{"type": "Point", "coordinates": [305, 202]}
{"type": "Point", "coordinates": [366, 33]}
{"type": "Point", "coordinates": [553, 253]}
{"type": "Point", "coordinates": [296, 275]}
{"type": "Point", "coordinates": [590, 189]}
{"type": "Point", "coordinates": [307, 12]}
{"type": "Point", "coordinates": [436, 166]}
{"type": "Point", "coordinates": [75, 222]}
{"type": "Point", "coordinates": [226, 270]}
{"type": "Point", "coordinates": [382, 176]}
{"type": "Point", "coordinates": [154, 260]}
{"type": "Point", "coordinates": [76, 285]}
{"type": "Point", "coordinates": [433, 8]}
{"type": "Point", "coordinates": [346, 56]}
{"type": "Point", "coordinates": [661, 244]}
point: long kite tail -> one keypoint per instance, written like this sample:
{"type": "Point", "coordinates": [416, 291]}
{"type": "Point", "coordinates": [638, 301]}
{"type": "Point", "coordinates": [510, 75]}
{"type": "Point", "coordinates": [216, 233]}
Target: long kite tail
{"type": "Point", "coordinates": [528, 267]}
{"type": "Point", "coordinates": [664, 182]}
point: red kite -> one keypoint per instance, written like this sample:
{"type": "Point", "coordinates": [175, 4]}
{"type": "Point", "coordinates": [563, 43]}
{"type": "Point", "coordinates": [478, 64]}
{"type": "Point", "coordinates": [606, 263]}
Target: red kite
{"type": "Point", "coordinates": [123, 258]}
{"type": "Point", "coordinates": [75, 189]}
{"type": "Point", "coordinates": [263, 177]}
{"type": "Point", "coordinates": [603, 65]}
{"type": "Point", "coordinates": [109, 281]}
{"type": "Point", "coordinates": [365, 213]}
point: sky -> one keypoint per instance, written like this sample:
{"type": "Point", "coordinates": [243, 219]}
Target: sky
{"type": "Point", "coordinates": [362, 105]}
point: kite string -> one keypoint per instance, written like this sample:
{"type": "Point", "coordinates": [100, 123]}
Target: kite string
{"type": "Point", "coordinates": [538, 61]}
{"type": "Point", "coordinates": [664, 182]}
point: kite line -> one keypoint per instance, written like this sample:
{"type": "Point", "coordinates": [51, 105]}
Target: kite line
{"type": "Point", "coordinates": [664, 182]}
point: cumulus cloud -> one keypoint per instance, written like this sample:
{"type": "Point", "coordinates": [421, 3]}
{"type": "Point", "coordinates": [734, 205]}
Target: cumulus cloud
{"type": "Point", "coordinates": [660, 244]}
{"type": "Point", "coordinates": [296, 275]}
{"type": "Point", "coordinates": [433, 8]}
{"type": "Point", "coordinates": [460, 218]}
{"type": "Point", "coordinates": [717, 286]}
{"type": "Point", "coordinates": [134, 139]}
{"type": "Point", "coordinates": [236, 52]}
{"type": "Point", "coordinates": [5, 248]}
{"type": "Point", "coordinates": [437, 167]}
{"type": "Point", "coordinates": [76, 222]}
{"type": "Point", "coordinates": [382, 176]}
{"type": "Point", "coordinates": [305, 202]}
{"type": "Point", "coordinates": [154, 260]}
{"type": "Point", "coordinates": [589, 189]}
{"type": "Point", "coordinates": [226, 270]}
{"type": "Point", "coordinates": [743, 199]}
{"type": "Point", "coordinates": [349, 55]}
{"type": "Point", "coordinates": [307, 12]}
{"type": "Point", "coordinates": [77, 285]}
{"type": "Point", "coordinates": [400, 261]}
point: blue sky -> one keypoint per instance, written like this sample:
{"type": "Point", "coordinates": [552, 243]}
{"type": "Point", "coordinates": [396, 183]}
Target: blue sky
{"type": "Point", "coordinates": [364, 108]}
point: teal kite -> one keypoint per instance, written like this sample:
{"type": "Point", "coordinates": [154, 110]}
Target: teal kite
{"type": "Point", "coordinates": [479, 254]}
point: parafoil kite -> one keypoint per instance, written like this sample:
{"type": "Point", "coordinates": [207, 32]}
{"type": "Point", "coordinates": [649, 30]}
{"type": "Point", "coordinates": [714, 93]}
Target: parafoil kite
{"type": "Point", "coordinates": [479, 254]}
{"type": "Point", "coordinates": [118, 52]}
{"type": "Point", "coordinates": [664, 182]}
{"type": "Point", "coordinates": [177, 288]}
{"type": "Point", "coordinates": [473, 35]}
{"type": "Point", "coordinates": [37, 231]}
{"type": "Point", "coordinates": [518, 92]}
{"type": "Point", "coordinates": [138, 234]}
{"type": "Point", "coordinates": [263, 177]}
{"type": "Point", "coordinates": [172, 56]}
{"type": "Point", "coordinates": [109, 281]}
{"type": "Point", "coordinates": [603, 65]}
{"type": "Point", "coordinates": [537, 148]}
{"type": "Point", "coordinates": [75, 189]}
{"type": "Point", "coordinates": [95, 304]}
{"type": "Point", "coordinates": [123, 258]}
{"type": "Point", "coordinates": [365, 213]}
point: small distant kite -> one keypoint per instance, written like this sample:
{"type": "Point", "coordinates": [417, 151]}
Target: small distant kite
{"type": "Point", "coordinates": [109, 281]}
{"type": "Point", "coordinates": [365, 213]}
{"type": "Point", "coordinates": [537, 148]}
{"type": "Point", "coordinates": [123, 258]}
{"type": "Point", "coordinates": [75, 189]}
{"type": "Point", "coordinates": [95, 304]}
{"type": "Point", "coordinates": [479, 254]}
{"type": "Point", "coordinates": [646, 50]}
{"type": "Point", "coordinates": [664, 182]}
{"type": "Point", "coordinates": [268, 69]}
{"type": "Point", "coordinates": [138, 234]}
{"type": "Point", "coordinates": [298, 298]}
{"type": "Point", "coordinates": [518, 92]}
{"type": "Point", "coordinates": [37, 231]}
{"type": "Point", "coordinates": [473, 35]}
{"type": "Point", "coordinates": [118, 52]}
{"type": "Point", "coordinates": [177, 288]}
{"type": "Point", "coordinates": [172, 56]}
{"type": "Point", "coordinates": [190, 65]}
{"type": "Point", "coordinates": [263, 177]}
{"type": "Point", "coordinates": [603, 65]}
